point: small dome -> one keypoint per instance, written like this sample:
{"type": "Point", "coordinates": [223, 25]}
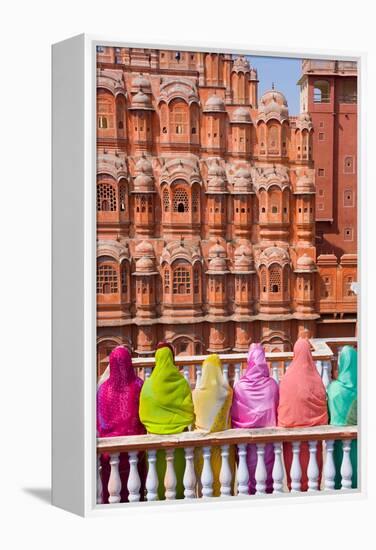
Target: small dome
{"type": "Point", "coordinates": [243, 249]}
{"type": "Point", "coordinates": [217, 250]}
{"type": "Point", "coordinates": [144, 165]}
{"type": "Point", "coordinates": [216, 178]}
{"type": "Point", "coordinates": [273, 103]}
{"type": "Point", "coordinates": [214, 104]}
{"type": "Point", "coordinates": [217, 264]}
{"type": "Point", "coordinates": [144, 248]}
{"type": "Point", "coordinates": [142, 83]}
{"type": "Point", "coordinates": [241, 64]}
{"type": "Point", "coordinates": [304, 184]}
{"type": "Point", "coordinates": [243, 181]}
{"type": "Point", "coordinates": [141, 101]}
{"type": "Point", "coordinates": [145, 264]}
{"type": "Point", "coordinates": [241, 116]}
{"type": "Point", "coordinates": [143, 184]}
{"type": "Point", "coordinates": [243, 263]}
{"type": "Point", "coordinates": [306, 262]}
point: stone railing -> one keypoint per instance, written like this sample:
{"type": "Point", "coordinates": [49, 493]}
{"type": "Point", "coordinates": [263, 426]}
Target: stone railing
{"type": "Point", "coordinates": [234, 484]}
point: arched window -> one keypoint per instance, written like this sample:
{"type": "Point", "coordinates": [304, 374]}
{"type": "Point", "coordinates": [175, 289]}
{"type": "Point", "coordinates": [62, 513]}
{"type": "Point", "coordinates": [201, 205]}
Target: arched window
{"type": "Point", "coordinates": [181, 201]}
{"type": "Point", "coordinates": [178, 118]}
{"type": "Point", "coordinates": [181, 281]}
{"type": "Point", "coordinates": [263, 279]}
{"type": "Point", "coordinates": [167, 280]}
{"type": "Point", "coordinates": [195, 200]}
{"type": "Point", "coordinates": [105, 112]}
{"type": "Point", "coordinates": [107, 280]}
{"type": "Point", "coordinates": [321, 91]}
{"type": "Point", "coordinates": [122, 195]}
{"type": "Point", "coordinates": [166, 200]}
{"type": "Point", "coordinates": [275, 279]}
{"type": "Point", "coordinates": [106, 197]}
{"type": "Point", "coordinates": [273, 138]}
{"type": "Point", "coordinates": [124, 278]}
{"type": "Point", "coordinates": [196, 280]}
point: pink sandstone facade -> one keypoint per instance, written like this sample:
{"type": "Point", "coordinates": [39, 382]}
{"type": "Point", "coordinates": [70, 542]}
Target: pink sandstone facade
{"type": "Point", "coordinates": [206, 208]}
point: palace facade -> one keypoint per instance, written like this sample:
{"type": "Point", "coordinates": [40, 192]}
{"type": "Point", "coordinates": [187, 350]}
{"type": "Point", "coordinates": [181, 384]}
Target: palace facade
{"type": "Point", "coordinates": [207, 208]}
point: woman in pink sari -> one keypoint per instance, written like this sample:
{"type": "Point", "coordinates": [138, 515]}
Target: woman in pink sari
{"type": "Point", "coordinates": [117, 415]}
{"type": "Point", "coordinates": [302, 402]}
{"type": "Point", "coordinates": [254, 405]}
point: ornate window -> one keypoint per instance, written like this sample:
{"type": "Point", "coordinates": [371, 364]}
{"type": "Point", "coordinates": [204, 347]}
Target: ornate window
{"type": "Point", "coordinates": [273, 139]}
{"type": "Point", "coordinates": [181, 281]}
{"type": "Point", "coordinates": [347, 286]}
{"type": "Point", "coordinates": [275, 279]}
{"type": "Point", "coordinates": [179, 119]}
{"type": "Point", "coordinates": [263, 279]}
{"type": "Point", "coordinates": [181, 202]}
{"type": "Point", "coordinates": [105, 113]}
{"type": "Point", "coordinates": [195, 200]}
{"type": "Point", "coordinates": [107, 280]}
{"type": "Point", "coordinates": [327, 289]}
{"type": "Point", "coordinates": [196, 281]}
{"type": "Point", "coordinates": [106, 197]}
{"type": "Point", "coordinates": [122, 198]}
{"type": "Point", "coordinates": [166, 200]}
{"type": "Point", "coordinates": [124, 278]}
{"type": "Point", "coordinates": [167, 280]}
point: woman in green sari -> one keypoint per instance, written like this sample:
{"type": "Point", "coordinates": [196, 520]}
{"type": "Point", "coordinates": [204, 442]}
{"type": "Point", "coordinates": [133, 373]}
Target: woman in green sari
{"type": "Point", "coordinates": [342, 404]}
{"type": "Point", "coordinates": [166, 407]}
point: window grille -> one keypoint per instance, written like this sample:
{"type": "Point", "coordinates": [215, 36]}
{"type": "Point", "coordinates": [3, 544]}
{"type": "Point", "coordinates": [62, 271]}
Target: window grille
{"type": "Point", "coordinates": [275, 279]}
{"type": "Point", "coordinates": [106, 197]}
{"type": "Point", "coordinates": [107, 281]}
{"type": "Point", "coordinates": [124, 279]}
{"type": "Point", "coordinates": [181, 281]}
{"type": "Point", "coordinates": [181, 203]}
{"type": "Point", "coordinates": [166, 200]}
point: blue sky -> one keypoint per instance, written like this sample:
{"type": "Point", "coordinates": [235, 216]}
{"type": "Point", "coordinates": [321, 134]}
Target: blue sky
{"type": "Point", "coordinates": [284, 72]}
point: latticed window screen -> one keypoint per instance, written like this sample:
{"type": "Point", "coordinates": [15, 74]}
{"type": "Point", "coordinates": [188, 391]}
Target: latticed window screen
{"type": "Point", "coordinates": [273, 137]}
{"type": "Point", "coordinates": [107, 281]}
{"type": "Point", "coordinates": [347, 286]}
{"type": "Point", "coordinates": [122, 198]}
{"type": "Point", "coordinates": [195, 200]}
{"type": "Point", "coordinates": [143, 203]}
{"type": "Point", "coordinates": [166, 200]}
{"type": "Point", "coordinates": [326, 287]}
{"type": "Point", "coordinates": [285, 279]}
{"type": "Point", "coordinates": [181, 281]}
{"type": "Point", "coordinates": [105, 112]}
{"type": "Point", "coordinates": [106, 197]}
{"type": "Point", "coordinates": [196, 281]}
{"type": "Point", "coordinates": [275, 279]}
{"type": "Point", "coordinates": [124, 279]}
{"type": "Point", "coordinates": [179, 120]}
{"type": "Point", "coordinates": [263, 279]}
{"type": "Point", "coordinates": [167, 280]}
{"type": "Point", "coordinates": [181, 202]}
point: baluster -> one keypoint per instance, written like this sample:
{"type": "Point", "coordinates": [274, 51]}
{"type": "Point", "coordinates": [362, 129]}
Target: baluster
{"type": "Point", "coordinates": [170, 477]}
{"type": "Point", "coordinates": [152, 477]}
{"type": "Point", "coordinates": [114, 483]}
{"type": "Point", "coordinates": [329, 467]}
{"type": "Point", "coordinates": [207, 474]}
{"type": "Point", "coordinates": [134, 482]}
{"type": "Point", "coordinates": [346, 467]}
{"type": "Point", "coordinates": [326, 373]}
{"type": "Point", "coordinates": [189, 479]}
{"type": "Point", "coordinates": [198, 375]}
{"type": "Point", "coordinates": [277, 469]}
{"type": "Point", "coordinates": [260, 473]}
{"type": "Point", "coordinates": [237, 372]}
{"type": "Point", "coordinates": [242, 473]}
{"type": "Point", "coordinates": [313, 469]}
{"type": "Point", "coordinates": [225, 475]}
{"type": "Point", "coordinates": [147, 372]}
{"type": "Point", "coordinates": [99, 481]}
{"type": "Point", "coordinates": [296, 470]}
{"type": "Point", "coordinates": [319, 367]}
{"type": "Point", "coordinates": [275, 373]}
{"type": "Point", "coordinates": [225, 372]}
{"type": "Point", "coordinates": [186, 372]}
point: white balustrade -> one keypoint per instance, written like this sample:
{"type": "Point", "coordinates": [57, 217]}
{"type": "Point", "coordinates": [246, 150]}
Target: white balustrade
{"type": "Point", "coordinates": [207, 474]}
{"type": "Point", "coordinates": [326, 371]}
{"type": "Point", "coordinates": [198, 375]}
{"type": "Point", "coordinates": [242, 473]}
{"type": "Point", "coordinates": [237, 372]}
{"type": "Point", "coordinates": [189, 479]}
{"type": "Point", "coordinates": [134, 482]}
{"type": "Point", "coordinates": [313, 468]}
{"type": "Point", "coordinates": [329, 466]}
{"type": "Point", "coordinates": [170, 476]}
{"type": "Point", "coordinates": [114, 483]}
{"type": "Point", "coordinates": [275, 371]}
{"type": "Point", "coordinates": [260, 473]}
{"type": "Point", "coordinates": [152, 476]}
{"type": "Point", "coordinates": [225, 371]}
{"type": "Point", "coordinates": [225, 475]}
{"type": "Point", "coordinates": [186, 372]}
{"type": "Point", "coordinates": [99, 481]}
{"type": "Point", "coordinates": [296, 470]}
{"type": "Point", "coordinates": [278, 471]}
{"type": "Point", "coordinates": [346, 467]}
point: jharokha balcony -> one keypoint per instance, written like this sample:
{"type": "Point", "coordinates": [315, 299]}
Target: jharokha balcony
{"type": "Point", "coordinates": [233, 443]}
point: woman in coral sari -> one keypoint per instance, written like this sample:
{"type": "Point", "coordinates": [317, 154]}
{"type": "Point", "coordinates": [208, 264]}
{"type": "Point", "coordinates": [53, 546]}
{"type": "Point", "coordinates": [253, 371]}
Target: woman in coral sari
{"type": "Point", "coordinates": [255, 405]}
{"type": "Point", "coordinates": [302, 402]}
{"type": "Point", "coordinates": [166, 408]}
{"type": "Point", "coordinates": [117, 414]}
{"type": "Point", "coordinates": [212, 403]}
{"type": "Point", "coordinates": [342, 404]}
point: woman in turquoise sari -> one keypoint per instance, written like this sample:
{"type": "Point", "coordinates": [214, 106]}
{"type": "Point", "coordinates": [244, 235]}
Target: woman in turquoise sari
{"type": "Point", "coordinates": [342, 404]}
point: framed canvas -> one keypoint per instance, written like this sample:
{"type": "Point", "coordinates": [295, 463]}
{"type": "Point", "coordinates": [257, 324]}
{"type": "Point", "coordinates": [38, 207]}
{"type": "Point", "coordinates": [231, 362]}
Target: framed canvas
{"type": "Point", "coordinates": [206, 241]}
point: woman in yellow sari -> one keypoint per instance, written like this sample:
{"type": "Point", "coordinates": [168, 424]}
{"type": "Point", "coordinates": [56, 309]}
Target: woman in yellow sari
{"type": "Point", "coordinates": [212, 403]}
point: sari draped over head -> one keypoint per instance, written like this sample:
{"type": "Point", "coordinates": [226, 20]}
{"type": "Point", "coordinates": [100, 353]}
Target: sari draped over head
{"type": "Point", "coordinates": [117, 412]}
{"type": "Point", "coordinates": [212, 403]}
{"type": "Point", "coordinates": [302, 402]}
{"type": "Point", "coordinates": [255, 405]}
{"type": "Point", "coordinates": [342, 404]}
{"type": "Point", "coordinates": [166, 408]}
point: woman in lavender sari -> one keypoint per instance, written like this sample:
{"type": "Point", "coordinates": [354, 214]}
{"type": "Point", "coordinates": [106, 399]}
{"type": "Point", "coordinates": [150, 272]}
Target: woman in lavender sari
{"type": "Point", "coordinates": [255, 405]}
